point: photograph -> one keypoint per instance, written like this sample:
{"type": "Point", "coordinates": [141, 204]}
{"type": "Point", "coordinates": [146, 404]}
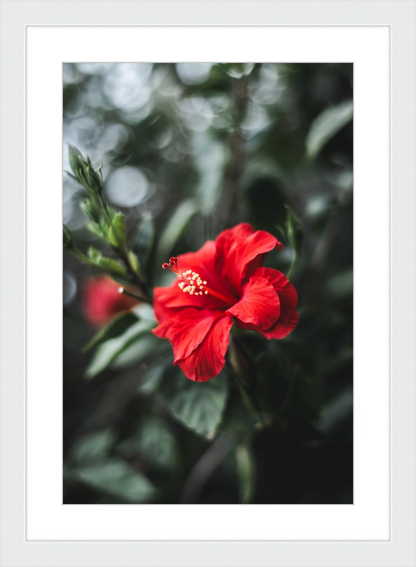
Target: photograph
{"type": "Point", "coordinates": [207, 283]}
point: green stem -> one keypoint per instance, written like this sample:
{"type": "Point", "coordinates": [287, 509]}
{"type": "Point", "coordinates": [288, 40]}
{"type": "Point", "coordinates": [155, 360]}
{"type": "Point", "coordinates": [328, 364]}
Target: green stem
{"type": "Point", "coordinates": [124, 291]}
{"type": "Point", "coordinates": [124, 255]}
{"type": "Point", "coordinates": [123, 252]}
{"type": "Point", "coordinates": [244, 370]}
{"type": "Point", "coordinates": [105, 209]}
{"type": "Point", "coordinates": [85, 260]}
{"type": "Point", "coordinates": [293, 263]}
{"type": "Point", "coordinates": [248, 399]}
{"type": "Point", "coordinates": [81, 256]}
{"type": "Point", "coordinates": [234, 169]}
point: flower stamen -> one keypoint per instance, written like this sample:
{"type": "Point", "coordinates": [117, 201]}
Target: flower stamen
{"type": "Point", "coordinates": [191, 282]}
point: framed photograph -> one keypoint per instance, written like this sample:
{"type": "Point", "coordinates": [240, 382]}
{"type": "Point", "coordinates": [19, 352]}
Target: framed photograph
{"type": "Point", "coordinates": [217, 366]}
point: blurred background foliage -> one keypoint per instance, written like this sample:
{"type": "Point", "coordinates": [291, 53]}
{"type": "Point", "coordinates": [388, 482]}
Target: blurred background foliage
{"type": "Point", "coordinates": [188, 150]}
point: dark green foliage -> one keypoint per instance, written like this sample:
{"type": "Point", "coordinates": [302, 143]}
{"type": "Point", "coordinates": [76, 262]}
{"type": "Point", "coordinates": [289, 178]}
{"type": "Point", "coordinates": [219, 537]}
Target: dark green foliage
{"type": "Point", "coordinates": [186, 152]}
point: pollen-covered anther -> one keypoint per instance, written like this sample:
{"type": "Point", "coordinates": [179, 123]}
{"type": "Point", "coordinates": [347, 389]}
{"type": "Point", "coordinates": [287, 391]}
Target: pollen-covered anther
{"type": "Point", "coordinates": [189, 280]}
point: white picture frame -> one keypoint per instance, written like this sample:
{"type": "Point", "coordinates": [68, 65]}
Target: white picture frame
{"type": "Point", "coordinates": [399, 16]}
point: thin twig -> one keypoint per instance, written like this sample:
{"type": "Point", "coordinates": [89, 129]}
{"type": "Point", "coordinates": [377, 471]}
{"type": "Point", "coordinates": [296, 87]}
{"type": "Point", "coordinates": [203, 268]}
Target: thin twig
{"type": "Point", "coordinates": [234, 168]}
{"type": "Point", "coordinates": [124, 291]}
{"type": "Point", "coordinates": [204, 468]}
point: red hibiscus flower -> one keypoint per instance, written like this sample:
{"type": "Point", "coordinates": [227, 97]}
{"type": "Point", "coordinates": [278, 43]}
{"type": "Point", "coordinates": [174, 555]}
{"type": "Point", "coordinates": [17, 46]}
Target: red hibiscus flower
{"type": "Point", "coordinates": [102, 301]}
{"type": "Point", "coordinates": [220, 284]}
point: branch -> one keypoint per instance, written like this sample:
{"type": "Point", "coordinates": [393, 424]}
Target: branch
{"type": "Point", "coordinates": [234, 168]}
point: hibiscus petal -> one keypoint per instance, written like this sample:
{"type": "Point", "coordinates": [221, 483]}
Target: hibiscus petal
{"type": "Point", "coordinates": [161, 297]}
{"type": "Point", "coordinates": [208, 359]}
{"type": "Point", "coordinates": [287, 293]}
{"type": "Point", "coordinates": [201, 261]}
{"type": "Point", "coordinates": [161, 330]}
{"type": "Point", "coordinates": [289, 317]}
{"type": "Point", "coordinates": [240, 251]}
{"type": "Point", "coordinates": [168, 300]}
{"type": "Point", "coordinates": [286, 324]}
{"type": "Point", "coordinates": [259, 305]}
{"type": "Point", "coordinates": [204, 263]}
{"type": "Point", "coordinates": [189, 329]}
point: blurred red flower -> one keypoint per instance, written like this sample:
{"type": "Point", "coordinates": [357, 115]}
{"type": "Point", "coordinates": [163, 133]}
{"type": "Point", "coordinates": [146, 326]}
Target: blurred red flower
{"type": "Point", "coordinates": [102, 301]}
{"type": "Point", "coordinates": [221, 283]}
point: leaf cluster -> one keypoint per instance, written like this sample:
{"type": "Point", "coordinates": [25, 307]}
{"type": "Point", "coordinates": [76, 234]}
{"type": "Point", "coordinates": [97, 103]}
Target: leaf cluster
{"type": "Point", "coordinates": [105, 224]}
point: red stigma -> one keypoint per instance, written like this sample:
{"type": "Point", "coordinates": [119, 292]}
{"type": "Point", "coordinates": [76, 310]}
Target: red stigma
{"type": "Point", "coordinates": [173, 266]}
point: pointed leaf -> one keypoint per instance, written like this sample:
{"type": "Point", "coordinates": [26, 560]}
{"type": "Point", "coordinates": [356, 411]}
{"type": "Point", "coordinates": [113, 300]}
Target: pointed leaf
{"type": "Point", "coordinates": [116, 327]}
{"type": "Point", "coordinates": [117, 235]}
{"type": "Point", "coordinates": [67, 238]}
{"type": "Point", "coordinates": [198, 405]}
{"type": "Point", "coordinates": [110, 350]}
{"type": "Point", "coordinates": [106, 264]}
{"type": "Point", "coordinates": [96, 230]}
{"type": "Point", "coordinates": [154, 442]}
{"type": "Point", "coordinates": [117, 479]}
{"type": "Point", "coordinates": [93, 447]}
{"type": "Point", "coordinates": [75, 157]}
{"type": "Point", "coordinates": [326, 125]}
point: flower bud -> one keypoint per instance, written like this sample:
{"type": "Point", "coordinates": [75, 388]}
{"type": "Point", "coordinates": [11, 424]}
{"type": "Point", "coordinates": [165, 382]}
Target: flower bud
{"type": "Point", "coordinates": [84, 173]}
{"type": "Point", "coordinates": [102, 301]}
{"type": "Point", "coordinates": [74, 158]}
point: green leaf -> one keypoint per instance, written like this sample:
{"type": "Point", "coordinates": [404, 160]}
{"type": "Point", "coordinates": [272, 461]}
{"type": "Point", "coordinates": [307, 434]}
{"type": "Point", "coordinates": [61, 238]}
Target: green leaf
{"type": "Point", "coordinates": [93, 447]}
{"type": "Point", "coordinates": [151, 379]}
{"type": "Point", "coordinates": [75, 157]}
{"type": "Point", "coordinates": [133, 261]}
{"type": "Point", "coordinates": [110, 350]}
{"type": "Point", "coordinates": [175, 228]}
{"type": "Point", "coordinates": [112, 266]}
{"type": "Point", "coordinates": [106, 264]}
{"type": "Point", "coordinates": [341, 285]}
{"type": "Point", "coordinates": [117, 479]}
{"type": "Point", "coordinates": [71, 176]}
{"type": "Point", "coordinates": [147, 350]}
{"type": "Point", "coordinates": [94, 255]}
{"type": "Point", "coordinates": [91, 208]}
{"type": "Point", "coordinates": [67, 238]}
{"type": "Point", "coordinates": [96, 230]}
{"type": "Point", "coordinates": [326, 125]}
{"type": "Point", "coordinates": [154, 442]}
{"type": "Point", "coordinates": [84, 172]}
{"type": "Point", "coordinates": [117, 235]}
{"type": "Point", "coordinates": [198, 405]}
{"type": "Point", "coordinates": [116, 327]}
